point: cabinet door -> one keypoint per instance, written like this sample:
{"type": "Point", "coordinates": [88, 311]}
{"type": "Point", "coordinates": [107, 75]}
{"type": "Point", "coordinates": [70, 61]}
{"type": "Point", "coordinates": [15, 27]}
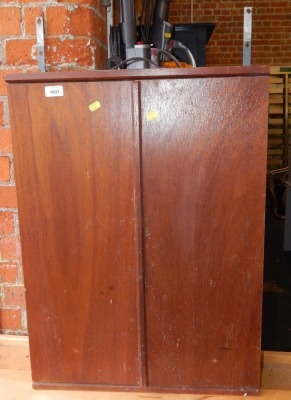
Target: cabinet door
{"type": "Point", "coordinates": [75, 161]}
{"type": "Point", "coordinates": [204, 156]}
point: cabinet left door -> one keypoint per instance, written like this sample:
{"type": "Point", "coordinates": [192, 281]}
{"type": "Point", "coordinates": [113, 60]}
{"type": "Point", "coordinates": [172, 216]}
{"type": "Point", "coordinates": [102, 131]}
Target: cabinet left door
{"type": "Point", "coordinates": [76, 166]}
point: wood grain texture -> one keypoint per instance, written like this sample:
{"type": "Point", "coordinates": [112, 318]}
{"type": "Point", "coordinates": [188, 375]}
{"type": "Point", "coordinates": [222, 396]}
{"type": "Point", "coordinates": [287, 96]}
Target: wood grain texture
{"type": "Point", "coordinates": [75, 173]}
{"type": "Point", "coordinates": [142, 227]}
{"type": "Point", "coordinates": [14, 361]}
{"type": "Point", "coordinates": [204, 194]}
{"type": "Point", "coordinates": [138, 74]}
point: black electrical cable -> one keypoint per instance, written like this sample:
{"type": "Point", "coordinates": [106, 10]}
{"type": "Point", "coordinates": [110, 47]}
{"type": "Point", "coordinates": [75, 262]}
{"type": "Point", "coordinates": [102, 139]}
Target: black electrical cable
{"type": "Point", "coordinates": [132, 60]}
{"type": "Point", "coordinates": [169, 48]}
{"type": "Point", "coordinates": [166, 53]}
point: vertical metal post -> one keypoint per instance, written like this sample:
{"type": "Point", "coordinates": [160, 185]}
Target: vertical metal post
{"type": "Point", "coordinates": [247, 36]}
{"type": "Point", "coordinates": [109, 24]}
{"type": "Point", "coordinates": [108, 4]}
{"type": "Point", "coordinates": [128, 25]}
{"type": "Point", "coordinates": [40, 44]}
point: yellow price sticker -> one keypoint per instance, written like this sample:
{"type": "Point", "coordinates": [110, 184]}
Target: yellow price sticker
{"type": "Point", "coordinates": [94, 106]}
{"type": "Point", "coordinates": [152, 115]}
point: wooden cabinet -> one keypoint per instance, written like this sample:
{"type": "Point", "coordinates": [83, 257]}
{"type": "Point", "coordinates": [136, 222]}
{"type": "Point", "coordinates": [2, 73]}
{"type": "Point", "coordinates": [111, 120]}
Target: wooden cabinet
{"type": "Point", "coordinates": [141, 204]}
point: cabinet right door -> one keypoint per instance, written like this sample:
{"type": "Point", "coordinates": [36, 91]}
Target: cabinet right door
{"type": "Point", "coordinates": [203, 166]}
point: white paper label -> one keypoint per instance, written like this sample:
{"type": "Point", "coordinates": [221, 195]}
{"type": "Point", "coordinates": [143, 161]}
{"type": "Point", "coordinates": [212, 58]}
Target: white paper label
{"type": "Point", "coordinates": [54, 91]}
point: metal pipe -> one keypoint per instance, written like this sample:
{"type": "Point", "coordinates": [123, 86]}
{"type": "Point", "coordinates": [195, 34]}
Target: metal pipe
{"type": "Point", "coordinates": [109, 24]}
{"type": "Point", "coordinates": [160, 18]}
{"type": "Point", "coordinates": [161, 10]}
{"type": "Point", "coordinates": [128, 24]}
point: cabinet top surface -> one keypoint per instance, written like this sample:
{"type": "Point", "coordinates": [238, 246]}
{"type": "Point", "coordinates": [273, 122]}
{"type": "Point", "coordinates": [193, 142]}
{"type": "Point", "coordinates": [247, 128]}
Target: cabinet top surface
{"type": "Point", "coordinates": [139, 74]}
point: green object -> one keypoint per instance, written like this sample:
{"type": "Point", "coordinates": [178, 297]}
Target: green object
{"type": "Point", "coordinates": [285, 69]}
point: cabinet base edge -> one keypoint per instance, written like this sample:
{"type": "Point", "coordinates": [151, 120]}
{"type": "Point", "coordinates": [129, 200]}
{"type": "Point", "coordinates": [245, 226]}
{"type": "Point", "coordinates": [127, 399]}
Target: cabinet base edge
{"type": "Point", "coordinates": [145, 389]}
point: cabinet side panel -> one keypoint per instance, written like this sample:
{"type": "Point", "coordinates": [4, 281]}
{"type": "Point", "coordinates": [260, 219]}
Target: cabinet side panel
{"type": "Point", "coordinates": [75, 174]}
{"type": "Point", "coordinates": [204, 160]}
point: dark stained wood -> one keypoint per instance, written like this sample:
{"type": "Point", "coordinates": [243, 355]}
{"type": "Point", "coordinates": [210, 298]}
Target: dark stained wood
{"type": "Point", "coordinates": [203, 196]}
{"type": "Point", "coordinates": [144, 219]}
{"type": "Point", "coordinates": [131, 74]}
{"type": "Point", "coordinates": [76, 185]}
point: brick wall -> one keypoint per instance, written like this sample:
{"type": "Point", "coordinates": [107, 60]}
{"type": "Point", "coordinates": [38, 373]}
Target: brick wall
{"type": "Point", "coordinates": [75, 38]}
{"type": "Point", "coordinates": [271, 42]}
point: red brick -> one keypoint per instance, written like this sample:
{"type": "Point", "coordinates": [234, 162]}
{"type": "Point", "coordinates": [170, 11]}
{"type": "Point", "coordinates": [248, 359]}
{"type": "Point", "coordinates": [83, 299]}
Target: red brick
{"type": "Point", "coordinates": [10, 319]}
{"type": "Point", "coordinates": [4, 168]}
{"type": "Point", "coordinates": [8, 197]}
{"type": "Point", "coordinates": [21, 52]}
{"type": "Point", "coordinates": [281, 3]}
{"type": "Point", "coordinates": [85, 22]}
{"type": "Point", "coordinates": [209, 5]}
{"type": "Point", "coordinates": [94, 3]}
{"type": "Point", "coordinates": [6, 223]}
{"type": "Point", "coordinates": [29, 1]}
{"type": "Point", "coordinates": [14, 296]}
{"type": "Point", "coordinates": [3, 85]}
{"type": "Point", "coordinates": [30, 15]}
{"type": "Point", "coordinates": [210, 12]}
{"type": "Point", "coordinates": [10, 248]}
{"type": "Point", "coordinates": [5, 141]}
{"type": "Point", "coordinates": [58, 19]}
{"type": "Point", "coordinates": [79, 51]}
{"type": "Point", "coordinates": [2, 122]}
{"type": "Point", "coordinates": [10, 18]}
{"type": "Point", "coordinates": [8, 272]}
